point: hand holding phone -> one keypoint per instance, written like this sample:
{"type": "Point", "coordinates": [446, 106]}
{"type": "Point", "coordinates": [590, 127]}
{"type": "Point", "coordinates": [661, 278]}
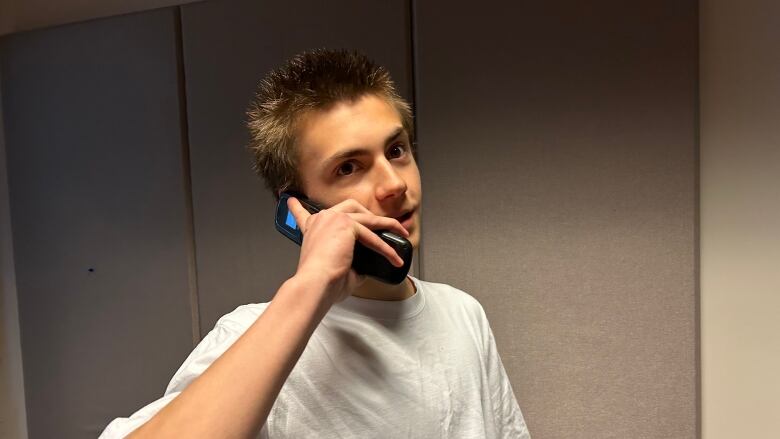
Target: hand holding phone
{"type": "Point", "coordinates": [370, 257]}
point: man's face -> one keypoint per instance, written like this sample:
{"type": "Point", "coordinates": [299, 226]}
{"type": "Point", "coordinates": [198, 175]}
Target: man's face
{"type": "Point", "coordinates": [360, 150]}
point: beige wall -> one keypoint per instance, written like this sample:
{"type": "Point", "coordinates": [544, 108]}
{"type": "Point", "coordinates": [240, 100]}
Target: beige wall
{"type": "Point", "coordinates": [740, 218]}
{"type": "Point", "coordinates": [21, 15]}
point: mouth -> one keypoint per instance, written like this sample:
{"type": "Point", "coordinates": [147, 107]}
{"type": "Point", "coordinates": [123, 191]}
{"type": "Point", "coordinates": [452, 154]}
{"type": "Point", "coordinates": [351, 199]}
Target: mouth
{"type": "Point", "coordinates": [406, 219]}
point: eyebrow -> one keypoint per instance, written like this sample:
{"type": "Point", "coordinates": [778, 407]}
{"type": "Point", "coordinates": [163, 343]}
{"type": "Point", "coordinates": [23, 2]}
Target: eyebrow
{"type": "Point", "coordinates": [354, 152]}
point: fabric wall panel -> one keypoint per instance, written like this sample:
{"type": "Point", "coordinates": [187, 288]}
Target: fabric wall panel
{"type": "Point", "coordinates": [98, 214]}
{"type": "Point", "coordinates": [558, 142]}
{"type": "Point", "coordinates": [228, 47]}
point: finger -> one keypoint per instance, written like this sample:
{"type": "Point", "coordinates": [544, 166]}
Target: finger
{"type": "Point", "coordinates": [299, 213]}
{"type": "Point", "coordinates": [361, 214]}
{"type": "Point", "coordinates": [375, 222]}
{"type": "Point", "coordinates": [374, 242]}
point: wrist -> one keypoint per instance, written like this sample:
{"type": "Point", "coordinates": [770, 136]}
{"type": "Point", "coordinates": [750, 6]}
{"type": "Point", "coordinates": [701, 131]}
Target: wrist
{"type": "Point", "coordinates": [311, 289]}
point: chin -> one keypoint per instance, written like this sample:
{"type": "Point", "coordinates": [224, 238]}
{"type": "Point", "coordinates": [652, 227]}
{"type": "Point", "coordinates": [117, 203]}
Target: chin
{"type": "Point", "coordinates": [414, 239]}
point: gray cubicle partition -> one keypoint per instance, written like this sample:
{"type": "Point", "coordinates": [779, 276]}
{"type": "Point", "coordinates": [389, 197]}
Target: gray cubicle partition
{"type": "Point", "coordinates": [99, 217]}
{"type": "Point", "coordinates": [228, 47]}
{"type": "Point", "coordinates": [558, 142]}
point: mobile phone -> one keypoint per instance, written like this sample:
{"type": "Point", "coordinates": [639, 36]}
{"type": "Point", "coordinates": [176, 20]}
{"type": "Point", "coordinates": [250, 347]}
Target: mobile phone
{"type": "Point", "coordinates": [364, 260]}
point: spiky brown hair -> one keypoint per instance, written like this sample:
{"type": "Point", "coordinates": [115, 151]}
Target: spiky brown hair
{"type": "Point", "coordinates": [311, 80]}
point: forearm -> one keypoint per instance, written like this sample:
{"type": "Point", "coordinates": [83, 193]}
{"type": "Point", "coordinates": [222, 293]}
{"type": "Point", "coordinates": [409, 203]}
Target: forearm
{"type": "Point", "coordinates": [233, 397]}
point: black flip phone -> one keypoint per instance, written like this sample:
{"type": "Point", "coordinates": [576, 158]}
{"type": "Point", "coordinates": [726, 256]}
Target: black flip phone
{"type": "Point", "coordinates": [364, 261]}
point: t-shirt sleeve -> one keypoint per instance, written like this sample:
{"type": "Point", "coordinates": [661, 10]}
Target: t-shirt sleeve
{"type": "Point", "coordinates": [509, 419]}
{"type": "Point", "coordinates": [208, 350]}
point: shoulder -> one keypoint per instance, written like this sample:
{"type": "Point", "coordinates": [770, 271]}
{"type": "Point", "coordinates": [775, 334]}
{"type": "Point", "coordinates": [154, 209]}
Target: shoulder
{"type": "Point", "coordinates": [230, 327]}
{"type": "Point", "coordinates": [446, 296]}
{"type": "Point", "coordinates": [459, 309]}
{"type": "Point", "coordinates": [227, 330]}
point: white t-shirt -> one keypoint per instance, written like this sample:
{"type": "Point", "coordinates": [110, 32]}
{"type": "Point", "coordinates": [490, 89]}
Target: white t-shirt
{"type": "Point", "coordinates": [425, 367]}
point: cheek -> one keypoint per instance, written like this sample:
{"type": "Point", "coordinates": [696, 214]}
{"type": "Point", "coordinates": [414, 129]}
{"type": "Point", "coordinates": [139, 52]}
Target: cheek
{"type": "Point", "coordinates": [413, 179]}
{"type": "Point", "coordinates": [362, 193]}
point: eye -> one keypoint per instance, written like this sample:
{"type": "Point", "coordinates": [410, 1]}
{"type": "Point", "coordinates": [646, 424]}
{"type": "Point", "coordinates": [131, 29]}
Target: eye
{"type": "Point", "coordinates": [396, 151]}
{"type": "Point", "coordinates": [345, 168]}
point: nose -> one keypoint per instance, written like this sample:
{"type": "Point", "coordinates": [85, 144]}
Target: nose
{"type": "Point", "coordinates": [389, 183]}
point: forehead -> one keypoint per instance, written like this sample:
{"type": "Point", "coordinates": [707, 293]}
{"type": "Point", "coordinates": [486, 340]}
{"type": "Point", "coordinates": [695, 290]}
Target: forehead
{"type": "Point", "coordinates": [363, 123]}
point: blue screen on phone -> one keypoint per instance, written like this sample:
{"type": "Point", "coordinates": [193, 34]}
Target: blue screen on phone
{"type": "Point", "coordinates": [291, 221]}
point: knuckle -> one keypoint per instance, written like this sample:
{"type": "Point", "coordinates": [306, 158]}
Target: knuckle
{"type": "Point", "coordinates": [351, 202]}
{"type": "Point", "coordinates": [344, 219]}
{"type": "Point", "coordinates": [329, 214]}
{"type": "Point", "coordinates": [336, 217]}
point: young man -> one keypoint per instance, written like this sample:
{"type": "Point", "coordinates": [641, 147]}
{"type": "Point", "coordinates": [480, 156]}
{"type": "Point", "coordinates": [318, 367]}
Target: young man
{"type": "Point", "coordinates": [335, 354]}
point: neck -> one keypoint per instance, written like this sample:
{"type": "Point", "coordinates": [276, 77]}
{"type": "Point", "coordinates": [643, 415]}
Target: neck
{"type": "Point", "coordinates": [376, 290]}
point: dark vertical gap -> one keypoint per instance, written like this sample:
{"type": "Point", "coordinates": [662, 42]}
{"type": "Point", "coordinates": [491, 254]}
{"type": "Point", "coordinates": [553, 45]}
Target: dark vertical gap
{"type": "Point", "coordinates": [192, 262]}
{"type": "Point", "coordinates": [697, 223]}
{"type": "Point", "coordinates": [12, 367]}
{"type": "Point", "coordinates": [415, 101]}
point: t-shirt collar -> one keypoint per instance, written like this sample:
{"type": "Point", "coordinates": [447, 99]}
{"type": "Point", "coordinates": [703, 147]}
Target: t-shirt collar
{"type": "Point", "coordinates": [386, 309]}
